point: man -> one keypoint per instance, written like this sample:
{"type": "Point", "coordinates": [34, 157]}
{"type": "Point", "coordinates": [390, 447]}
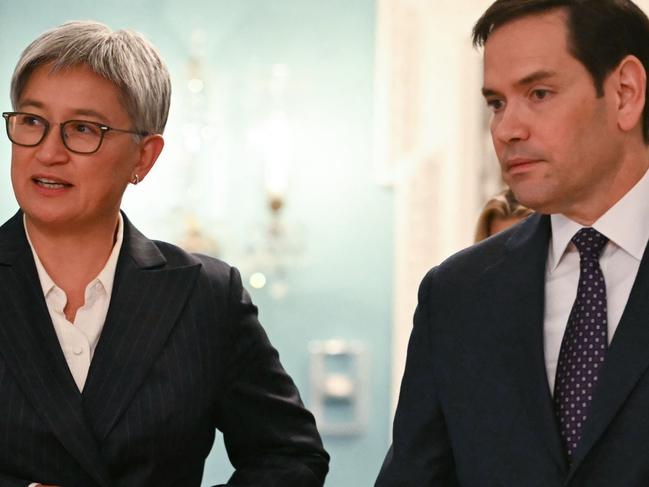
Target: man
{"type": "Point", "coordinates": [121, 356]}
{"type": "Point", "coordinates": [529, 357]}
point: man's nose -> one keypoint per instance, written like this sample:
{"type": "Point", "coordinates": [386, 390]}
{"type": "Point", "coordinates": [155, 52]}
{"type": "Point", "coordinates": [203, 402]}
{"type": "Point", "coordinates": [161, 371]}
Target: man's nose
{"type": "Point", "coordinates": [510, 125]}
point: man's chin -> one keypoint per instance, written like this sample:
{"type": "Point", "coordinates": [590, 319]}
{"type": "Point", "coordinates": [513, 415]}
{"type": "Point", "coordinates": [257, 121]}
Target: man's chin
{"type": "Point", "coordinates": [533, 197]}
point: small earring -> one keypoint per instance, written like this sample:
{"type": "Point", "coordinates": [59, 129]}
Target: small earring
{"type": "Point", "coordinates": [135, 179]}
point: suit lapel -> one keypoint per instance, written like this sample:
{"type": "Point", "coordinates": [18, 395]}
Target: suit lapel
{"type": "Point", "coordinates": [518, 312]}
{"type": "Point", "coordinates": [148, 297]}
{"type": "Point", "coordinates": [626, 362]}
{"type": "Point", "coordinates": [32, 352]}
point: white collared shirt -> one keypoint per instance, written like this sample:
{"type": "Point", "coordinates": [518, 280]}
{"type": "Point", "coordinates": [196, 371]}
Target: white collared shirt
{"type": "Point", "coordinates": [626, 224]}
{"type": "Point", "coordinates": [78, 340]}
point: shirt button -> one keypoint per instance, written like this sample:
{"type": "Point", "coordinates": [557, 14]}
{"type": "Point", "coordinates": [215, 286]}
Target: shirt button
{"type": "Point", "coordinates": [78, 351]}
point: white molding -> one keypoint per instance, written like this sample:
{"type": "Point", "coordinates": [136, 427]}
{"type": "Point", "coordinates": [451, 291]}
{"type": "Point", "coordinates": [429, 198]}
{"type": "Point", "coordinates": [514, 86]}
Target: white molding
{"type": "Point", "coordinates": [429, 141]}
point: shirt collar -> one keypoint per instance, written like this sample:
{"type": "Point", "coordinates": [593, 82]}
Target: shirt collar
{"type": "Point", "coordinates": [106, 276]}
{"type": "Point", "coordinates": [614, 224]}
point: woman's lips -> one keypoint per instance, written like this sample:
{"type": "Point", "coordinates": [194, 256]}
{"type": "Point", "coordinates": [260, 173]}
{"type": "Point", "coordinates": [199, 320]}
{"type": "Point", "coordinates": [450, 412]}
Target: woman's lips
{"type": "Point", "coordinates": [51, 184]}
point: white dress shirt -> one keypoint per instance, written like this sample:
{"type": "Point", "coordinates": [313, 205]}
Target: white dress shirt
{"type": "Point", "coordinates": [626, 225]}
{"type": "Point", "coordinates": [79, 339]}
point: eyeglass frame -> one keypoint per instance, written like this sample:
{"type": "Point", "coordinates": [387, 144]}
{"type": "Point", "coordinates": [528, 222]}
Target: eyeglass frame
{"type": "Point", "coordinates": [103, 128]}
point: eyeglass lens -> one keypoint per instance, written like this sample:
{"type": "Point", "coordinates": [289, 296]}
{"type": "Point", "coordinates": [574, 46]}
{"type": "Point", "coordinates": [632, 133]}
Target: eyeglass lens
{"type": "Point", "coordinates": [29, 130]}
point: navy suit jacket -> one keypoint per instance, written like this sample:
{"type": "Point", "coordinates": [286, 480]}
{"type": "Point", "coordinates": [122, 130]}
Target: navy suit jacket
{"type": "Point", "coordinates": [475, 409]}
{"type": "Point", "coordinates": [181, 355]}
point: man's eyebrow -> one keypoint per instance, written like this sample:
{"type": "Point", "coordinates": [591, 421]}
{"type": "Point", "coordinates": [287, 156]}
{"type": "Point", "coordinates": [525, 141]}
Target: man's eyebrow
{"type": "Point", "coordinates": [527, 80]}
{"type": "Point", "coordinates": [535, 76]}
{"type": "Point", "coordinates": [487, 92]}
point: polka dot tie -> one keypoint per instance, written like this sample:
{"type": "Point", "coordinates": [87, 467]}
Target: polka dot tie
{"type": "Point", "coordinates": [584, 342]}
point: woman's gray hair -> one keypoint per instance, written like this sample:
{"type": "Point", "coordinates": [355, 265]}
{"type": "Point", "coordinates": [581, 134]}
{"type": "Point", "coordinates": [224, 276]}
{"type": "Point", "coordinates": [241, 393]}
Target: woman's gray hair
{"type": "Point", "coordinates": [124, 57]}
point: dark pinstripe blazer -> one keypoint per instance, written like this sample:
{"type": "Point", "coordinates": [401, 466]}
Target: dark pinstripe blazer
{"type": "Point", "coordinates": [181, 354]}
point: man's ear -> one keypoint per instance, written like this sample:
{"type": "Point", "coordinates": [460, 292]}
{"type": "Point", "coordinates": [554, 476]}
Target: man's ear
{"type": "Point", "coordinates": [150, 148]}
{"type": "Point", "coordinates": [631, 82]}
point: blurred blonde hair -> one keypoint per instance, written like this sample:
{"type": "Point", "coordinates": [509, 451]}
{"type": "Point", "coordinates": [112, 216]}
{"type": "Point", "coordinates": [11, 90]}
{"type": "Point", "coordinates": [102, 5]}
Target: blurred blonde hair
{"type": "Point", "coordinates": [503, 206]}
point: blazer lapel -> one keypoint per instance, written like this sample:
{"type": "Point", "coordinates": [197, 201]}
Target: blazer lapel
{"type": "Point", "coordinates": [519, 314]}
{"type": "Point", "coordinates": [626, 362]}
{"type": "Point", "coordinates": [31, 350]}
{"type": "Point", "coordinates": [148, 297]}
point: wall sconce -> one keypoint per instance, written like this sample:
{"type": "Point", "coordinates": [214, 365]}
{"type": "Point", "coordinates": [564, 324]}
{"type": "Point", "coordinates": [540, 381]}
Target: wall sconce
{"type": "Point", "coordinates": [271, 254]}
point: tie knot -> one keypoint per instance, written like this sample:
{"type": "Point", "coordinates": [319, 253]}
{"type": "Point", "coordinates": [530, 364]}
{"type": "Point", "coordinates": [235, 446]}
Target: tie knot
{"type": "Point", "coordinates": [589, 242]}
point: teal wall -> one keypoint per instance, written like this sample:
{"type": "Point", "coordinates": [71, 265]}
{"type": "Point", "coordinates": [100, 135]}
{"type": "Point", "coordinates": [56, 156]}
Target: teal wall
{"type": "Point", "coordinates": [341, 285]}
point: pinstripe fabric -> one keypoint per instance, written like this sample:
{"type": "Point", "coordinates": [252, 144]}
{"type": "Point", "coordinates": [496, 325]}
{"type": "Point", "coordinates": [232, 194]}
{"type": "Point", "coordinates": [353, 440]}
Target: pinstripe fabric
{"type": "Point", "coordinates": [181, 354]}
{"type": "Point", "coordinates": [32, 354]}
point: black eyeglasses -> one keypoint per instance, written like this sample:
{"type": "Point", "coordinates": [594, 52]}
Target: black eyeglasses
{"type": "Point", "coordinates": [80, 136]}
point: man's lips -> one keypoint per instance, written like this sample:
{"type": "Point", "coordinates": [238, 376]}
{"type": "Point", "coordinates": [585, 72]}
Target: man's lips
{"type": "Point", "coordinates": [520, 164]}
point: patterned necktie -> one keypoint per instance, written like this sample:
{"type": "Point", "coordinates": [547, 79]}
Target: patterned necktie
{"type": "Point", "coordinates": [584, 342]}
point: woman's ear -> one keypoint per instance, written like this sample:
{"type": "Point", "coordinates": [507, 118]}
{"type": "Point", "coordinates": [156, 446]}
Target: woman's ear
{"type": "Point", "coordinates": [150, 148]}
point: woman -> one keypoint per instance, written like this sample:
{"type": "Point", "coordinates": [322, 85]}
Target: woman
{"type": "Point", "coordinates": [499, 213]}
{"type": "Point", "coordinates": [120, 356]}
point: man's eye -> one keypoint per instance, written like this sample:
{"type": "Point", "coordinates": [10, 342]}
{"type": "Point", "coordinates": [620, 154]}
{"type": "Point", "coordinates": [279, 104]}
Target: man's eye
{"type": "Point", "coordinates": [540, 94]}
{"type": "Point", "coordinates": [495, 105]}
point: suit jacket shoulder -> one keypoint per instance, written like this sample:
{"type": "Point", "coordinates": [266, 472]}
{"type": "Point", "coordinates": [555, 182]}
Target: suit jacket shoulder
{"type": "Point", "coordinates": [467, 265]}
